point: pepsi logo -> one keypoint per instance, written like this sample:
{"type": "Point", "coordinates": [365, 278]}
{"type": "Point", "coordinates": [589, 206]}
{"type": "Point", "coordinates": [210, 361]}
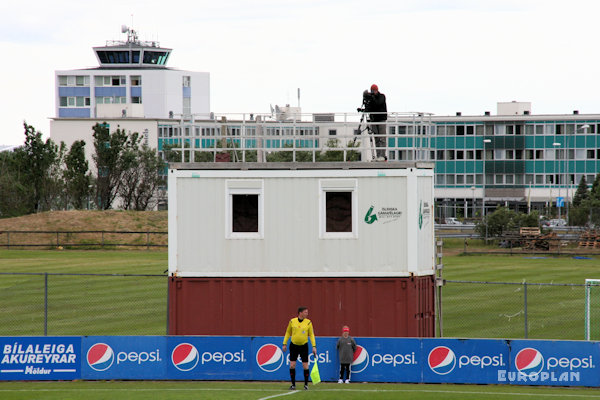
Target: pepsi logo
{"type": "Point", "coordinates": [441, 360]}
{"type": "Point", "coordinates": [100, 357]}
{"type": "Point", "coordinates": [360, 361]}
{"type": "Point", "coordinates": [529, 361]}
{"type": "Point", "coordinates": [269, 357]}
{"type": "Point", "coordinates": [185, 357]}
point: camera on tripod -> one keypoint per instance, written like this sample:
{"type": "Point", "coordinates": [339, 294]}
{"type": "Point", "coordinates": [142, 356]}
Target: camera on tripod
{"type": "Point", "coordinates": [367, 99]}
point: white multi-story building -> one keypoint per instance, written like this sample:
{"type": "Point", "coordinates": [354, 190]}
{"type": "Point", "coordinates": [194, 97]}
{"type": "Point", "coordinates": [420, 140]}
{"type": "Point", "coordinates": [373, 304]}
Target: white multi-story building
{"type": "Point", "coordinates": [132, 88]}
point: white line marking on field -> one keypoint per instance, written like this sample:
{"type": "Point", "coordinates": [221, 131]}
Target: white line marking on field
{"type": "Point", "coordinates": [278, 395]}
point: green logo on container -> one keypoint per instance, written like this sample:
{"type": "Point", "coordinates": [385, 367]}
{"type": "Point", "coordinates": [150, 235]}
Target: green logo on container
{"type": "Point", "coordinates": [369, 217]}
{"type": "Point", "coordinates": [421, 214]}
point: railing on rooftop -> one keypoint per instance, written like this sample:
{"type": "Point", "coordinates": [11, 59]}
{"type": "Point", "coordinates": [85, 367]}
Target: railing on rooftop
{"type": "Point", "coordinates": [288, 136]}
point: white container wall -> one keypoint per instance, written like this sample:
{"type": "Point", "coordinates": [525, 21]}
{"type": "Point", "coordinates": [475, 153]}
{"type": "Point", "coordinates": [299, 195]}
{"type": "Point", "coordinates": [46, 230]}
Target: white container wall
{"type": "Point", "coordinates": [387, 226]}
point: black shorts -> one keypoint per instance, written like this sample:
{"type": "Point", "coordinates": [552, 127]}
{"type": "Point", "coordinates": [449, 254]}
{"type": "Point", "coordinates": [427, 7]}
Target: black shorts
{"type": "Point", "coordinates": [301, 351]}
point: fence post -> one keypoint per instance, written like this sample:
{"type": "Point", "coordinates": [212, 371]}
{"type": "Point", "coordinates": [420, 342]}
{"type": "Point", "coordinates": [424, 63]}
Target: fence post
{"type": "Point", "coordinates": [525, 305]}
{"type": "Point", "coordinates": [45, 304]}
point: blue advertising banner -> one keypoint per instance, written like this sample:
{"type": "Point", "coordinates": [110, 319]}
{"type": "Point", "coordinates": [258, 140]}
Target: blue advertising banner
{"type": "Point", "coordinates": [270, 363]}
{"type": "Point", "coordinates": [386, 360]}
{"type": "Point", "coordinates": [552, 363]}
{"type": "Point", "coordinates": [411, 360]}
{"type": "Point", "coordinates": [209, 357]}
{"type": "Point", "coordinates": [462, 360]}
{"type": "Point", "coordinates": [124, 357]}
{"type": "Point", "coordinates": [40, 358]}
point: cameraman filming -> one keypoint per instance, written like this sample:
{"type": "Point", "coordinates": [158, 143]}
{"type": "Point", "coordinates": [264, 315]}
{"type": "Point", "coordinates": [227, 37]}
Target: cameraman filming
{"type": "Point", "coordinates": [374, 103]}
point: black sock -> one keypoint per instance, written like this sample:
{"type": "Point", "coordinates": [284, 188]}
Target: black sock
{"type": "Point", "coordinates": [306, 377]}
{"type": "Point", "coordinates": [293, 375]}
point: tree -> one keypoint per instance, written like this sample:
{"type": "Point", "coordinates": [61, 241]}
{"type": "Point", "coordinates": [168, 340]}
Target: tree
{"type": "Point", "coordinates": [14, 194]}
{"type": "Point", "coordinates": [37, 164]}
{"type": "Point", "coordinates": [503, 220]}
{"type": "Point", "coordinates": [76, 175]}
{"type": "Point", "coordinates": [582, 193]}
{"type": "Point", "coordinates": [141, 180]}
{"type": "Point", "coordinates": [113, 156]}
{"type": "Point", "coordinates": [595, 192]}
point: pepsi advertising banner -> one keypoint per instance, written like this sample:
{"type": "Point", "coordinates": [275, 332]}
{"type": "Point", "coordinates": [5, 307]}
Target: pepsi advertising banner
{"type": "Point", "coordinates": [410, 360]}
{"type": "Point", "coordinates": [124, 357]}
{"type": "Point", "coordinates": [552, 363]}
{"type": "Point", "coordinates": [463, 361]}
{"type": "Point", "coordinates": [385, 360]}
{"type": "Point", "coordinates": [40, 358]}
{"type": "Point", "coordinates": [209, 357]}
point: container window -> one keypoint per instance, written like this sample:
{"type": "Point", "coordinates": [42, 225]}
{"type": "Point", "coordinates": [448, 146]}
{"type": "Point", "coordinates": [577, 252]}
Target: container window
{"type": "Point", "coordinates": [244, 213]}
{"type": "Point", "coordinates": [338, 216]}
{"type": "Point", "coordinates": [338, 212]}
{"type": "Point", "coordinates": [244, 217]}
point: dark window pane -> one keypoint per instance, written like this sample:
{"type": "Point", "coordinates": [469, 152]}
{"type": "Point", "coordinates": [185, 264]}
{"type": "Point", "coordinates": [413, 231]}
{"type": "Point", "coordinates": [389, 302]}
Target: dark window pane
{"type": "Point", "coordinates": [338, 211]}
{"type": "Point", "coordinates": [245, 213]}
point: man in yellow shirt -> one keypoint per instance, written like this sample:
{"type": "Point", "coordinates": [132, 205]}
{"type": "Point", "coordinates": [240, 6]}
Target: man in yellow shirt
{"type": "Point", "coordinates": [299, 329]}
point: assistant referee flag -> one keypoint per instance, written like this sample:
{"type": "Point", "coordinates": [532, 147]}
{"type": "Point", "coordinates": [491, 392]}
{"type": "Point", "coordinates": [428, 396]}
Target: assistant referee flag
{"type": "Point", "coordinates": [315, 377]}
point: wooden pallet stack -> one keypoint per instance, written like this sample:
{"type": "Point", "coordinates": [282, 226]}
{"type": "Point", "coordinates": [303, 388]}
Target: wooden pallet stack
{"type": "Point", "coordinates": [589, 240]}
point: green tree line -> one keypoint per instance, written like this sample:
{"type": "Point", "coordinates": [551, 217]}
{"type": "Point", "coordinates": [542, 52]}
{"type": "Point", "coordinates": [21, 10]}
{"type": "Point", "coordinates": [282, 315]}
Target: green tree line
{"type": "Point", "coordinates": [42, 175]}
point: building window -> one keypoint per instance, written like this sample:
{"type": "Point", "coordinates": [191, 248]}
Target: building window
{"type": "Point", "coordinates": [332, 132]}
{"type": "Point", "coordinates": [136, 80]}
{"type": "Point", "coordinates": [186, 81]}
{"type": "Point", "coordinates": [136, 100]}
{"type": "Point", "coordinates": [73, 80]}
{"type": "Point", "coordinates": [338, 216]}
{"type": "Point", "coordinates": [74, 101]}
{"type": "Point", "coordinates": [244, 212]}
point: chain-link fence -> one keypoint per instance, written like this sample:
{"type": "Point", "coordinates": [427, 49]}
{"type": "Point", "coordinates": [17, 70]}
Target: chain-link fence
{"type": "Point", "coordinates": [115, 304]}
{"type": "Point", "coordinates": [514, 310]}
{"type": "Point", "coordinates": [82, 304]}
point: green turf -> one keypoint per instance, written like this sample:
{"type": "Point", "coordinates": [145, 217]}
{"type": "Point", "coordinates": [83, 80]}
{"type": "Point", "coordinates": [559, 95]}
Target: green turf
{"type": "Point", "coordinates": [260, 390]}
{"type": "Point", "coordinates": [115, 305]}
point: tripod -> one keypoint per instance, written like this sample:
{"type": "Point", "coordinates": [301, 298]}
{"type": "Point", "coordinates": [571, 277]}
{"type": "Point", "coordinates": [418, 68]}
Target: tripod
{"type": "Point", "coordinates": [367, 129]}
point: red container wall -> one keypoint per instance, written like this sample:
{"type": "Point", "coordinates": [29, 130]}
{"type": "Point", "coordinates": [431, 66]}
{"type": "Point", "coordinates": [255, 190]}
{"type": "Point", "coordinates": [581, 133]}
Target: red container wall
{"type": "Point", "coordinates": [380, 307]}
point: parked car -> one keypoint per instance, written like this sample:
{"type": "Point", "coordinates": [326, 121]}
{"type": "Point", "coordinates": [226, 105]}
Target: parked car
{"type": "Point", "coordinates": [452, 221]}
{"type": "Point", "coordinates": [557, 222]}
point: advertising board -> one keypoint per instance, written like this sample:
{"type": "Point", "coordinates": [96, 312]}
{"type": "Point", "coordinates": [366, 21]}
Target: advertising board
{"type": "Point", "coordinates": [40, 358]}
{"type": "Point", "coordinates": [410, 360]}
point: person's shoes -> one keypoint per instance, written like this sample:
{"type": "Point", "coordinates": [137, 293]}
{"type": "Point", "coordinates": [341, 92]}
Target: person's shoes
{"type": "Point", "coordinates": [340, 381]}
{"type": "Point", "coordinates": [293, 387]}
{"type": "Point", "coordinates": [305, 387]}
{"type": "Point", "coordinates": [347, 381]}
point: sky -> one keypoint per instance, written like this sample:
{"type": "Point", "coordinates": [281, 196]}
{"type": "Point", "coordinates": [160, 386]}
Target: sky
{"type": "Point", "coordinates": [425, 55]}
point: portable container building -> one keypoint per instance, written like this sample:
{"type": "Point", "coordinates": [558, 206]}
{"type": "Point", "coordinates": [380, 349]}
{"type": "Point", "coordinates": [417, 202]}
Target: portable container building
{"type": "Point", "coordinates": [250, 242]}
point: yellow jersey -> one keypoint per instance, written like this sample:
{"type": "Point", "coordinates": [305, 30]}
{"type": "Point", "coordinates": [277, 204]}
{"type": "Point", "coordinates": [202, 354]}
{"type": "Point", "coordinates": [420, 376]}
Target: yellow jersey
{"type": "Point", "coordinates": [300, 331]}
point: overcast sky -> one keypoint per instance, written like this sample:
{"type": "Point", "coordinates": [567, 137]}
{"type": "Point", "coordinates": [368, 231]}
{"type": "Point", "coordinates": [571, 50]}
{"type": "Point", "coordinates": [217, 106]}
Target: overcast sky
{"type": "Point", "coordinates": [426, 55]}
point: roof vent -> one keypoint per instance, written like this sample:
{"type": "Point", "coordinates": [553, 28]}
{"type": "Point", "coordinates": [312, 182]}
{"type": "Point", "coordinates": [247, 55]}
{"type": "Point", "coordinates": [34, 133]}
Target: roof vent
{"type": "Point", "coordinates": [458, 113]}
{"type": "Point", "coordinates": [575, 112]}
{"type": "Point", "coordinates": [487, 113]}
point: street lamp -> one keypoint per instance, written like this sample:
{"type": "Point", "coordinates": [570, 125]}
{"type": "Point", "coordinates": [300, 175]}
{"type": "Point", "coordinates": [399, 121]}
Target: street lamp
{"type": "Point", "coordinates": [483, 213]}
{"type": "Point", "coordinates": [473, 193]}
{"type": "Point", "coordinates": [557, 173]}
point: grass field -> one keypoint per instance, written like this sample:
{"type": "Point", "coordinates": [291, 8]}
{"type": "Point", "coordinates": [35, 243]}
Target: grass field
{"type": "Point", "coordinates": [275, 390]}
{"type": "Point", "coordinates": [116, 305]}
